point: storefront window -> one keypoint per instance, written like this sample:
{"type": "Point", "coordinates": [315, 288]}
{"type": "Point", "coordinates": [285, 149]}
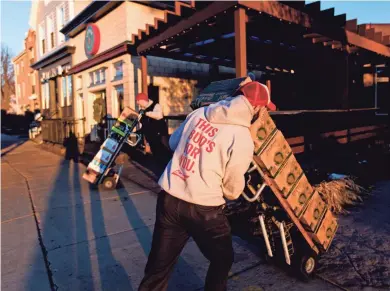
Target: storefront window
{"type": "Point", "coordinates": [63, 87]}
{"type": "Point", "coordinates": [120, 98]}
{"type": "Point", "coordinates": [69, 87]}
{"type": "Point", "coordinates": [66, 90]}
{"type": "Point", "coordinates": [118, 67]}
{"type": "Point", "coordinates": [45, 95]}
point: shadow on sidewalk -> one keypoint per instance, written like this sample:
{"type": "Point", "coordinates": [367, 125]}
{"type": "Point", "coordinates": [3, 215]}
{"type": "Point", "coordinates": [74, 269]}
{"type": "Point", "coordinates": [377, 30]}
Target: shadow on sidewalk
{"type": "Point", "coordinates": [10, 147]}
{"type": "Point", "coordinates": [66, 247]}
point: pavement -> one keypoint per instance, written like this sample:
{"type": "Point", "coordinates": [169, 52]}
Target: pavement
{"type": "Point", "coordinates": [60, 234]}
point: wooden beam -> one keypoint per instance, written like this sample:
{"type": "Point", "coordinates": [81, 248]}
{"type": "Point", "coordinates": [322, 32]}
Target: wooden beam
{"type": "Point", "coordinates": [351, 49]}
{"type": "Point", "coordinates": [386, 40]}
{"type": "Point", "coordinates": [337, 45]}
{"type": "Point", "coordinates": [378, 36]}
{"type": "Point", "coordinates": [311, 35]}
{"type": "Point", "coordinates": [240, 42]}
{"type": "Point", "coordinates": [144, 74]}
{"type": "Point", "coordinates": [197, 18]}
{"type": "Point", "coordinates": [340, 19]}
{"type": "Point", "coordinates": [351, 25]}
{"type": "Point", "coordinates": [280, 11]}
{"type": "Point", "coordinates": [313, 8]}
{"type": "Point", "coordinates": [320, 39]}
{"type": "Point", "coordinates": [370, 33]}
{"type": "Point", "coordinates": [367, 44]}
{"type": "Point", "coordinates": [362, 29]}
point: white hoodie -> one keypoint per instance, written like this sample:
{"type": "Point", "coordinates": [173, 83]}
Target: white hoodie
{"type": "Point", "coordinates": [213, 149]}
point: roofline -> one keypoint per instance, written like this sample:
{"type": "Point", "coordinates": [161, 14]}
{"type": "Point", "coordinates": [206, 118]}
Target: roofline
{"type": "Point", "coordinates": [98, 9]}
{"type": "Point", "coordinates": [51, 58]}
{"type": "Point", "coordinates": [14, 59]}
{"type": "Point", "coordinates": [118, 50]}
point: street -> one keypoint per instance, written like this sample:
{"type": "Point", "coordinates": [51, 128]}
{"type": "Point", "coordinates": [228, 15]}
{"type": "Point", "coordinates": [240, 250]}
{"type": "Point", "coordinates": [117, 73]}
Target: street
{"type": "Point", "coordinates": [58, 233]}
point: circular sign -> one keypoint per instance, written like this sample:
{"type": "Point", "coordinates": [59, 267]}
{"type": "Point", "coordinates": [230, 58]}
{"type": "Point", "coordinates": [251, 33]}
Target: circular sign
{"type": "Point", "coordinates": [92, 40]}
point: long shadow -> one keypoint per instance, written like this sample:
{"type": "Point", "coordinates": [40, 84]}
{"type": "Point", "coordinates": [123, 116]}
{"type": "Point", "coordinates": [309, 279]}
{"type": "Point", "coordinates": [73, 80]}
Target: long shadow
{"type": "Point", "coordinates": [11, 146]}
{"type": "Point", "coordinates": [113, 276]}
{"type": "Point", "coordinates": [81, 235]}
{"type": "Point", "coordinates": [58, 232]}
{"type": "Point", "coordinates": [186, 274]}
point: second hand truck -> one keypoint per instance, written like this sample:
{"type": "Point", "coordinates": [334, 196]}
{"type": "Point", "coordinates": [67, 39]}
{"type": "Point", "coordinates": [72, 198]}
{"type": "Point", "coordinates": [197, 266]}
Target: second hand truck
{"type": "Point", "coordinates": [101, 169]}
{"type": "Point", "coordinates": [292, 218]}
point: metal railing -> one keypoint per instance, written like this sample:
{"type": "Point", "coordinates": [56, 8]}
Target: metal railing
{"type": "Point", "coordinates": [56, 130]}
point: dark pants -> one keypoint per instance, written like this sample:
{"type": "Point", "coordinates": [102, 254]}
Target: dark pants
{"type": "Point", "coordinates": [159, 150]}
{"type": "Point", "coordinates": [176, 222]}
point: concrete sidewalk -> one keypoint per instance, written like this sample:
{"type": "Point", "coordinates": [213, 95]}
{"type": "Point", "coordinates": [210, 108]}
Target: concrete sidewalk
{"type": "Point", "coordinates": [57, 233]}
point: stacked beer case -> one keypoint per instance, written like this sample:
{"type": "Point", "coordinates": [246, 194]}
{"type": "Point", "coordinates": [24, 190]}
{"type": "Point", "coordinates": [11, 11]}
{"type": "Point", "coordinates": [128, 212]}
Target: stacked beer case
{"type": "Point", "coordinates": [276, 159]}
{"type": "Point", "coordinates": [100, 167]}
{"type": "Point", "coordinates": [274, 165]}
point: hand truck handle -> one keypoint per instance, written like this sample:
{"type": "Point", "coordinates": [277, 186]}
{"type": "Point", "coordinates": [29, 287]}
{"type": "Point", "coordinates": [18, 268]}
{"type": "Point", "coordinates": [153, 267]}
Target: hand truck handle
{"type": "Point", "coordinates": [254, 198]}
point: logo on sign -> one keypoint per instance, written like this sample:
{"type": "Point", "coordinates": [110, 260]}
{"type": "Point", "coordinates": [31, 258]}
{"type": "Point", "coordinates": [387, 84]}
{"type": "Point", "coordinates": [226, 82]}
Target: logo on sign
{"type": "Point", "coordinates": [92, 40]}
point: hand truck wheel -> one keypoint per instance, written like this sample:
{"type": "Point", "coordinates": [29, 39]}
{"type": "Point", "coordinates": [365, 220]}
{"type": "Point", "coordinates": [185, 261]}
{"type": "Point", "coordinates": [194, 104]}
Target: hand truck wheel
{"type": "Point", "coordinates": [109, 183]}
{"type": "Point", "coordinates": [305, 265]}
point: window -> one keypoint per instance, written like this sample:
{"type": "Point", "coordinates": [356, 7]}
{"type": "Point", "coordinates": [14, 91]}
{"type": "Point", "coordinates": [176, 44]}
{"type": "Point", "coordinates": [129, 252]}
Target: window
{"type": "Point", "coordinates": [45, 95]}
{"type": "Point", "coordinates": [91, 81]}
{"type": "Point", "coordinates": [50, 30]}
{"type": "Point", "coordinates": [97, 77]}
{"type": "Point", "coordinates": [33, 89]}
{"type": "Point", "coordinates": [52, 39]}
{"type": "Point", "coordinates": [22, 65]}
{"type": "Point", "coordinates": [42, 44]}
{"type": "Point", "coordinates": [60, 23]}
{"type": "Point", "coordinates": [17, 69]}
{"type": "Point", "coordinates": [69, 89]}
{"type": "Point", "coordinates": [23, 89]}
{"type": "Point", "coordinates": [31, 56]}
{"type": "Point", "coordinates": [79, 83]}
{"type": "Point", "coordinates": [118, 67]}
{"type": "Point", "coordinates": [18, 91]}
{"type": "Point", "coordinates": [66, 90]}
{"type": "Point", "coordinates": [119, 98]}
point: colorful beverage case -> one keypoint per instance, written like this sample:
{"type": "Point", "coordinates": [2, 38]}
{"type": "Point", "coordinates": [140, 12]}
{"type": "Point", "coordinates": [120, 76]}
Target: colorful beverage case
{"type": "Point", "coordinates": [110, 148]}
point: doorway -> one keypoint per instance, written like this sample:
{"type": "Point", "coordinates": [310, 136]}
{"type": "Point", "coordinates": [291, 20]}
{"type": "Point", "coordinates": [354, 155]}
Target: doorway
{"type": "Point", "coordinates": [100, 107]}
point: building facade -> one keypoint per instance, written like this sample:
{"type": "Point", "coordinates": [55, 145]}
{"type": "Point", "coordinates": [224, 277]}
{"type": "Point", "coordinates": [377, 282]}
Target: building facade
{"type": "Point", "coordinates": [27, 87]}
{"type": "Point", "coordinates": [106, 69]}
{"type": "Point", "coordinates": [54, 55]}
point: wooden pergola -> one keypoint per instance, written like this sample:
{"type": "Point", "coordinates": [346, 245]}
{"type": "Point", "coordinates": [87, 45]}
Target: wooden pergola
{"type": "Point", "coordinates": [278, 37]}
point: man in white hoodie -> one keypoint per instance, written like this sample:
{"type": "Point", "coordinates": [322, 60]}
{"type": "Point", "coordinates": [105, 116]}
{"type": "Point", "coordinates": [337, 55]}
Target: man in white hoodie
{"type": "Point", "coordinates": [213, 149]}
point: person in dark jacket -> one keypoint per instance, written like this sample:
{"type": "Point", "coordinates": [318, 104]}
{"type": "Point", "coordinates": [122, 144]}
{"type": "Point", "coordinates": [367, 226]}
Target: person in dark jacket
{"type": "Point", "coordinates": [154, 128]}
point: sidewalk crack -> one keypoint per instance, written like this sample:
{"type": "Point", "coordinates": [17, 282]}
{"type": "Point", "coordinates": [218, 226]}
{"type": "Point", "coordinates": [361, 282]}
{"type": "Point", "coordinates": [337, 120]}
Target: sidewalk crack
{"type": "Point", "coordinates": [53, 286]}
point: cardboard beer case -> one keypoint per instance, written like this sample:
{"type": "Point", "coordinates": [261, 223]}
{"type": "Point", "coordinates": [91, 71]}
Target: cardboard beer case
{"type": "Point", "coordinates": [275, 154]}
{"type": "Point", "coordinates": [262, 130]}
{"type": "Point", "coordinates": [288, 175]}
{"type": "Point", "coordinates": [299, 195]}
{"type": "Point", "coordinates": [314, 212]}
{"type": "Point", "coordinates": [326, 230]}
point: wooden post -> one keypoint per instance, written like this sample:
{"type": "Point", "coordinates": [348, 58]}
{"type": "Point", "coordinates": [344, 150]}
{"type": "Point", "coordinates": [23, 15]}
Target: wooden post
{"type": "Point", "coordinates": [144, 74]}
{"type": "Point", "coordinates": [240, 42]}
{"type": "Point", "coordinates": [268, 84]}
{"type": "Point", "coordinates": [345, 101]}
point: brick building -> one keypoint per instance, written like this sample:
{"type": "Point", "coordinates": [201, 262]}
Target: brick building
{"type": "Point", "coordinates": [27, 87]}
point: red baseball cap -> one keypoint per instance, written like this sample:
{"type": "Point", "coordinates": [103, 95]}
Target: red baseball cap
{"type": "Point", "coordinates": [141, 96]}
{"type": "Point", "coordinates": [257, 94]}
